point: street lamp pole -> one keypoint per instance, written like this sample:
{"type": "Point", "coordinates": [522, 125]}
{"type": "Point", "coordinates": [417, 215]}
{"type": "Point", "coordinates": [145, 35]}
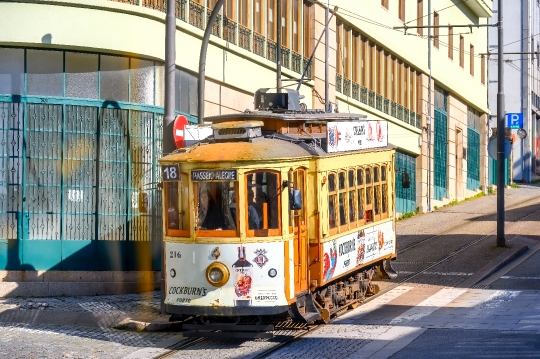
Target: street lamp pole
{"type": "Point", "coordinates": [501, 242]}
{"type": "Point", "coordinates": [428, 121]}
{"type": "Point", "coordinates": [168, 120]}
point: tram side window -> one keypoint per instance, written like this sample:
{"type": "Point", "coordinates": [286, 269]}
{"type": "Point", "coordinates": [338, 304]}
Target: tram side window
{"type": "Point", "coordinates": [376, 193]}
{"type": "Point", "coordinates": [216, 207]}
{"type": "Point", "coordinates": [369, 196]}
{"type": "Point", "coordinates": [361, 193]}
{"type": "Point", "coordinates": [342, 199]}
{"type": "Point", "coordinates": [177, 204]}
{"type": "Point", "coordinates": [352, 199]}
{"type": "Point", "coordinates": [263, 208]}
{"type": "Point", "coordinates": [332, 196]}
{"type": "Point", "coordinates": [384, 191]}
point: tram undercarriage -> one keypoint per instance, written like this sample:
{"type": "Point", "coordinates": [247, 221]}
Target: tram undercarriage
{"type": "Point", "coordinates": [317, 306]}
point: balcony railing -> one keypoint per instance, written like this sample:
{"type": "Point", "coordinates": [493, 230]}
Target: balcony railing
{"type": "Point", "coordinates": [296, 60]}
{"type": "Point", "coordinates": [363, 95]}
{"type": "Point", "coordinates": [285, 57]}
{"type": "Point", "coordinates": [160, 5]}
{"type": "Point", "coordinates": [378, 102]}
{"type": "Point", "coordinates": [258, 44]}
{"type": "Point", "coordinates": [356, 91]}
{"type": "Point", "coordinates": [196, 15]}
{"type": "Point", "coordinates": [371, 99]}
{"type": "Point", "coordinates": [339, 80]}
{"type": "Point", "coordinates": [406, 115]}
{"type": "Point", "coordinates": [271, 50]}
{"type": "Point", "coordinates": [308, 72]}
{"type": "Point", "coordinates": [418, 121]}
{"type": "Point", "coordinates": [229, 30]}
{"type": "Point", "coordinates": [399, 112]}
{"type": "Point", "coordinates": [132, 2]}
{"type": "Point", "coordinates": [347, 87]}
{"type": "Point", "coordinates": [386, 106]}
{"type": "Point", "coordinates": [216, 28]}
{"type": "Point", "coordinates": [393, 109]}
{"type": "Point", "coordinates": [244, 37]}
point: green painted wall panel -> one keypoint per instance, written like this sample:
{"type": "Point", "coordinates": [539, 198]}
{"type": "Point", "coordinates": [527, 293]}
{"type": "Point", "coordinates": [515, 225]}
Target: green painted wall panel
{"type": "Point", "coordinates": [41, 254]}
{"type": "Point", "coordinates": [78, 255]}
{"type": "Point", "coordinates": [440, 156]}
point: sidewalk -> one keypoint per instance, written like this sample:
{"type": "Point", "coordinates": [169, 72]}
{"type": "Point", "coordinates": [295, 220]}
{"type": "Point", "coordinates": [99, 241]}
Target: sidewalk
{"type": "Point", "coordinates": [141, 312]}
{"type": "Point", "coordinates": [128, 311]}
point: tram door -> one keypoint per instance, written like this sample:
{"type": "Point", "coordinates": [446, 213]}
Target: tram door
{"type": "Point", "coordinates": [297, 225]}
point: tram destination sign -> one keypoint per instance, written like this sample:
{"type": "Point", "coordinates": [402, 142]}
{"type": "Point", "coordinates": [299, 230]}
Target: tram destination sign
{"type": "Point", "coordinates": [214, 175]}
{"type": "Point", "coordinates": [356, 135]}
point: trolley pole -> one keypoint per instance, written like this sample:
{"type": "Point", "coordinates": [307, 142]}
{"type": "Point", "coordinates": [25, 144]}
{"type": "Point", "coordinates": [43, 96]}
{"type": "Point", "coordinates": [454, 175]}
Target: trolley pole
{"type": "Point", "coordinates": [168, 142]}
{"type": "Point", "coordinates": [278, 46]}
{"type": "Point", "coordinates": [501, 242]}
{"type": "Point", "coordinates": [202, 60]}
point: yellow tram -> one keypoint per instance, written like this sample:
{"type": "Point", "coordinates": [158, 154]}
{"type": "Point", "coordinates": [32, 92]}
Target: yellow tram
{"type": "Point", "coordinates": [278, 213]}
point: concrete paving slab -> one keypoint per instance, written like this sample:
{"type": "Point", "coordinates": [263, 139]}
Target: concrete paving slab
{"type": "Point", "coordinates": [59, 318]}
{"type": "Point", "coordinates": [21, 316]}
{"type": "Point", "coordinates": [100, 320]}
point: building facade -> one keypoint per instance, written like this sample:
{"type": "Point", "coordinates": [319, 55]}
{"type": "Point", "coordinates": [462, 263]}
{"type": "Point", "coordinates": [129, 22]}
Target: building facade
{"type": "Point", "coordinates": [521, 85]}
{"type": "Point", "coordinates": [81, 113]}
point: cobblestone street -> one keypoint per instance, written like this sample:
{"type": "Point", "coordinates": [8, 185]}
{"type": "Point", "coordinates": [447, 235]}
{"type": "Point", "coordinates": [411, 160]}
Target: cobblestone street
{"type": "Point", "coordinates": [97, 326]}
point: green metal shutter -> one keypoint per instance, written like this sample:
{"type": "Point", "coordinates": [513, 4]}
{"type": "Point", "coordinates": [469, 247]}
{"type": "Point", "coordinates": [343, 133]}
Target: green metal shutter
{"type": "Point", "coordinates": [473, 159]}
{"type": "Point", "coordinates": [493, 172]}
{"type": "Point", "coordinates": [440, 156]}
{"type": "Point", "coordinates": [405, 197]}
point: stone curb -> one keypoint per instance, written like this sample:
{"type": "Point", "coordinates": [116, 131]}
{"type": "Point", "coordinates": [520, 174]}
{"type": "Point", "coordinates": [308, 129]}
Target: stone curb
{"type": "Point", "coordinates": [156, 324]}
{"type": "Point", "coordinates": [500, 261]}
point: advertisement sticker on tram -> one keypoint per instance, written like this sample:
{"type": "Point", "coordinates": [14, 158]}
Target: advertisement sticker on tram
{"type": "Point", "coordinates": [344, 254]}
{"type": "Point", "coordinates": [251, 283]}
{"type": "Point", "coordinates": [356, 135]}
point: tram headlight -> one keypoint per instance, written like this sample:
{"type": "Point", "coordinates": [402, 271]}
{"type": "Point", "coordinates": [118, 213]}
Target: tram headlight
{"type": "Point", "coordinates": [217, 274]}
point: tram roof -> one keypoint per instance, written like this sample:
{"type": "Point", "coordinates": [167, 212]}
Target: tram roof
{"type": "Point", "coordinates": [287, 116]}
{"type": "Point", "coordinates": [263, 149]}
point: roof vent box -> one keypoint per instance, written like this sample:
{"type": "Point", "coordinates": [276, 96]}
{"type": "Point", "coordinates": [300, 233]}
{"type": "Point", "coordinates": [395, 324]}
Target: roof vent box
{"type": "Point", "coordinates": [237, 130]}
{"type": "Point", "coordinates": [285, 101]}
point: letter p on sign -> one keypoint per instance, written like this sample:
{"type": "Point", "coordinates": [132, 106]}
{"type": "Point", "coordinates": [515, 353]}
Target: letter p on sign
{"type": "Point", "coordinates": [514, 120]}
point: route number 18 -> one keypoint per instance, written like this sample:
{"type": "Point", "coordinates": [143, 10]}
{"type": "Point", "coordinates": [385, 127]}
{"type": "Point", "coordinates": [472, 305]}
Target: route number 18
{"type": "Point", "coordinates": [170, 173]}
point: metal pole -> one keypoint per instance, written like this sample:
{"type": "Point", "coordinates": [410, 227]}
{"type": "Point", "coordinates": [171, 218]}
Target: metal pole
{"type": "Point", "coordinates": [500, 133]}
{"type": "Point", "coordinates": [168, 120]}
{"type": "Point", "coordinates": [202, 60]}
{"type": "Point", "coordinates": [326, 61]}
{"type": "Point", "coordinates": [428, 122]}
{"type": "Point", "coordinates": [278, 45]}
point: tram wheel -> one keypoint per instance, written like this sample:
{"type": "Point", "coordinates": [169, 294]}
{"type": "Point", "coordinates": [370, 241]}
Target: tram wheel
{"type": "Point", "coordinates": [373, 289]}
{"type": "Point", "coordinates": [325, 315]}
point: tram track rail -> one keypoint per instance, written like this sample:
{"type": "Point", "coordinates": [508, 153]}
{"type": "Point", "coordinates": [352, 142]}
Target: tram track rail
{"type": "Point", "coordinates": [413, 275]}
{"type": "Point", "coordinates": [301, 332]}
{"type": "Point", "coordinates": [464, 224]}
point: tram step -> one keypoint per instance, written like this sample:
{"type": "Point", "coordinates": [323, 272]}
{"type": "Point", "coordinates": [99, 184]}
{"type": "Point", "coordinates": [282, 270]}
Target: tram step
{"type": "Point", "coordinates": [230, 327]}
{"type": "Point", "coordinates": [228, 334]}
{"type": "Point", "coordinates": [387, 271]}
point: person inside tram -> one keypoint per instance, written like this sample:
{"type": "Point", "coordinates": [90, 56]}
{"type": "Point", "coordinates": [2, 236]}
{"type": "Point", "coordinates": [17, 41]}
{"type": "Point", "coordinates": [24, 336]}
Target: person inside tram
{"type": "Point", "coordinates": [209, 214]}
{"type": "Point", "coordinates": [254, 219]}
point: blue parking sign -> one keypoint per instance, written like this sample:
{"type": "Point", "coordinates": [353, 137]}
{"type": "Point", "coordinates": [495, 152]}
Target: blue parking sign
{"type": "Point", "coordinates": [514, 120]}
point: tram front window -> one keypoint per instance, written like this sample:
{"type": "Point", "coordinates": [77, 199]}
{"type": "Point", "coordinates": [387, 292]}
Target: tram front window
{"type": "Point", "coordinates": [215, 206]}
{"type": "Point", "coordinates": [177, 202]}
{"type": "Point", "coordinates": [262, 203]}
